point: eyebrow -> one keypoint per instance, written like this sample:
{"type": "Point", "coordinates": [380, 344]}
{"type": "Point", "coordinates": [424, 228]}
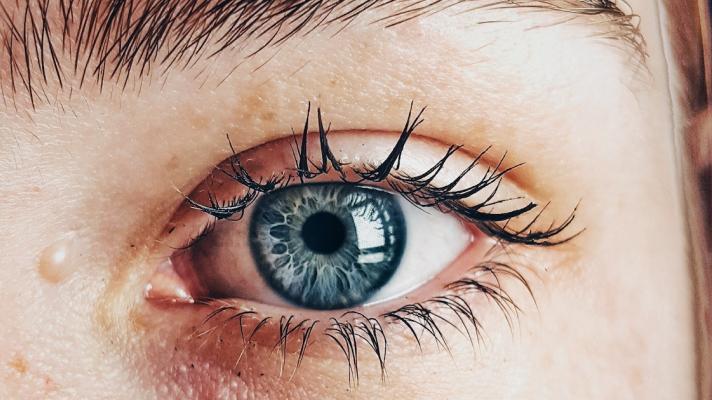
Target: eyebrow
{"type": "Point", "coordinates": [123, 39]}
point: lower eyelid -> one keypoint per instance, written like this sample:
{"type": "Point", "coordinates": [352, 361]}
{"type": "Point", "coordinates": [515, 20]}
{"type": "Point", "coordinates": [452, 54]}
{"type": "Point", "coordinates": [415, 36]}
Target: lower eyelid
{"type": "Point", "coordinates": [221, 322]}
{"type": "Point", "coordinates": [220, 340]}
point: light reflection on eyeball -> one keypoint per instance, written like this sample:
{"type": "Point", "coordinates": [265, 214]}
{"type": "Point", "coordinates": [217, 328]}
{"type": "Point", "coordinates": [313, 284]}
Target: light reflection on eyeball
{"type": "Point", "coordinates": [328, 246]}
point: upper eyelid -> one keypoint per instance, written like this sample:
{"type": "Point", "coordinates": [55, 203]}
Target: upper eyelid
{"type": "Point", "coordinates": [417, 188]}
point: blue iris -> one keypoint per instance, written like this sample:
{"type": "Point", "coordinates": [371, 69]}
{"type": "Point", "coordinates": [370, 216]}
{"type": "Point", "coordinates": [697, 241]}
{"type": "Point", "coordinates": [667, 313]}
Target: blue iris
{"type": "Point", "coordinates": [327, 245]}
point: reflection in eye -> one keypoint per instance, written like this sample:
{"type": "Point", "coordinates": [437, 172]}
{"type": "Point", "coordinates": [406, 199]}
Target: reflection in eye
{"type": "Point", "coordinates": [300, 226]}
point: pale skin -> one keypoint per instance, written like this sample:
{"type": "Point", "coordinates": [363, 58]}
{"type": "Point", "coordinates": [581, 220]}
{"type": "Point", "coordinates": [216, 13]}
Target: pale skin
{"type": "Point", "coordinates": [104, 175]}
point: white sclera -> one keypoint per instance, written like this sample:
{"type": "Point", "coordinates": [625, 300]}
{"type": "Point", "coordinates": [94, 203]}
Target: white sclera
{"type": "Point", "coordinates": [434, 241]}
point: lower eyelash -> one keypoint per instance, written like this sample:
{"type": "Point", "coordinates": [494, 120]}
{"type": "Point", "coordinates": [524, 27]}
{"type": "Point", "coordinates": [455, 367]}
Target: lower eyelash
{"type": "Point", "coordinates": [353, 332]}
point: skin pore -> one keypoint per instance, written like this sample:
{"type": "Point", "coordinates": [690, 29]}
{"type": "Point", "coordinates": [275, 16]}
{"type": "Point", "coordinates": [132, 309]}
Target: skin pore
{"type": "Point", "coordinates": [93, 174]}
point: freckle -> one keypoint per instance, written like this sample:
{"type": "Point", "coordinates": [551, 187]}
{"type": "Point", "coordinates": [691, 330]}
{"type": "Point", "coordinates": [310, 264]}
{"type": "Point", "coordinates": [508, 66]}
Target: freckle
{"type": "Point", "coordinates": [57, 261]}
{"type": "Point", "coordinates": [199, 121]}
{"type": "Point", "coordinates": [19, 364]}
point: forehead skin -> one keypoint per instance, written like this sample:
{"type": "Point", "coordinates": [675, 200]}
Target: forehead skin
{"type": "Point", "coordinates": [593, 129]}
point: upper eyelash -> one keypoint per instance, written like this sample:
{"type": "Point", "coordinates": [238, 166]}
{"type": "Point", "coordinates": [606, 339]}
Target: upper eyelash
{"type": "Point", "coordinates": [417, 189]}
{"type": "Point", "coordinates": [226, 209]}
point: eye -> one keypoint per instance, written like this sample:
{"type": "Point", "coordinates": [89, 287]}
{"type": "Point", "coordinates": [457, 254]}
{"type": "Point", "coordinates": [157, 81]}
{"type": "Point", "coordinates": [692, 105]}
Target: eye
{"type": "Point", "coordinates": [351, 235]}
{"type": "Point", "coordinates": [328, 246]}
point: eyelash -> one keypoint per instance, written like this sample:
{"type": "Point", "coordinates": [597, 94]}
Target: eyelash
{"type": "Point", "coordinates": [416, 189]}
{"type": "Point", "coordinates": [420, 319]}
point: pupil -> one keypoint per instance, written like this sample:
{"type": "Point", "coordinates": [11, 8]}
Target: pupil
{"type": "Point", "coordinates": [323, 233]}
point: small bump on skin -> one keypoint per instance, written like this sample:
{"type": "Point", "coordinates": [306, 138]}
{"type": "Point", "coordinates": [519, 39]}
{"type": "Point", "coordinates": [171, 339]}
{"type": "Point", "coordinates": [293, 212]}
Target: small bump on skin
{"type": "Point", "coordinates": [56, 262]}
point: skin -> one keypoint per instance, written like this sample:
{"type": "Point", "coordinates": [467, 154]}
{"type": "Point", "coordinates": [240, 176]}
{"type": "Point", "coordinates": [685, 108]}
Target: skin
{"type": "Point", "coordinates": [614, 308]}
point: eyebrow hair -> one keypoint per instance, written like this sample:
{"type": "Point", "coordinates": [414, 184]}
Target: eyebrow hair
{"type": "Point", "coordinates": [123, 39]}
